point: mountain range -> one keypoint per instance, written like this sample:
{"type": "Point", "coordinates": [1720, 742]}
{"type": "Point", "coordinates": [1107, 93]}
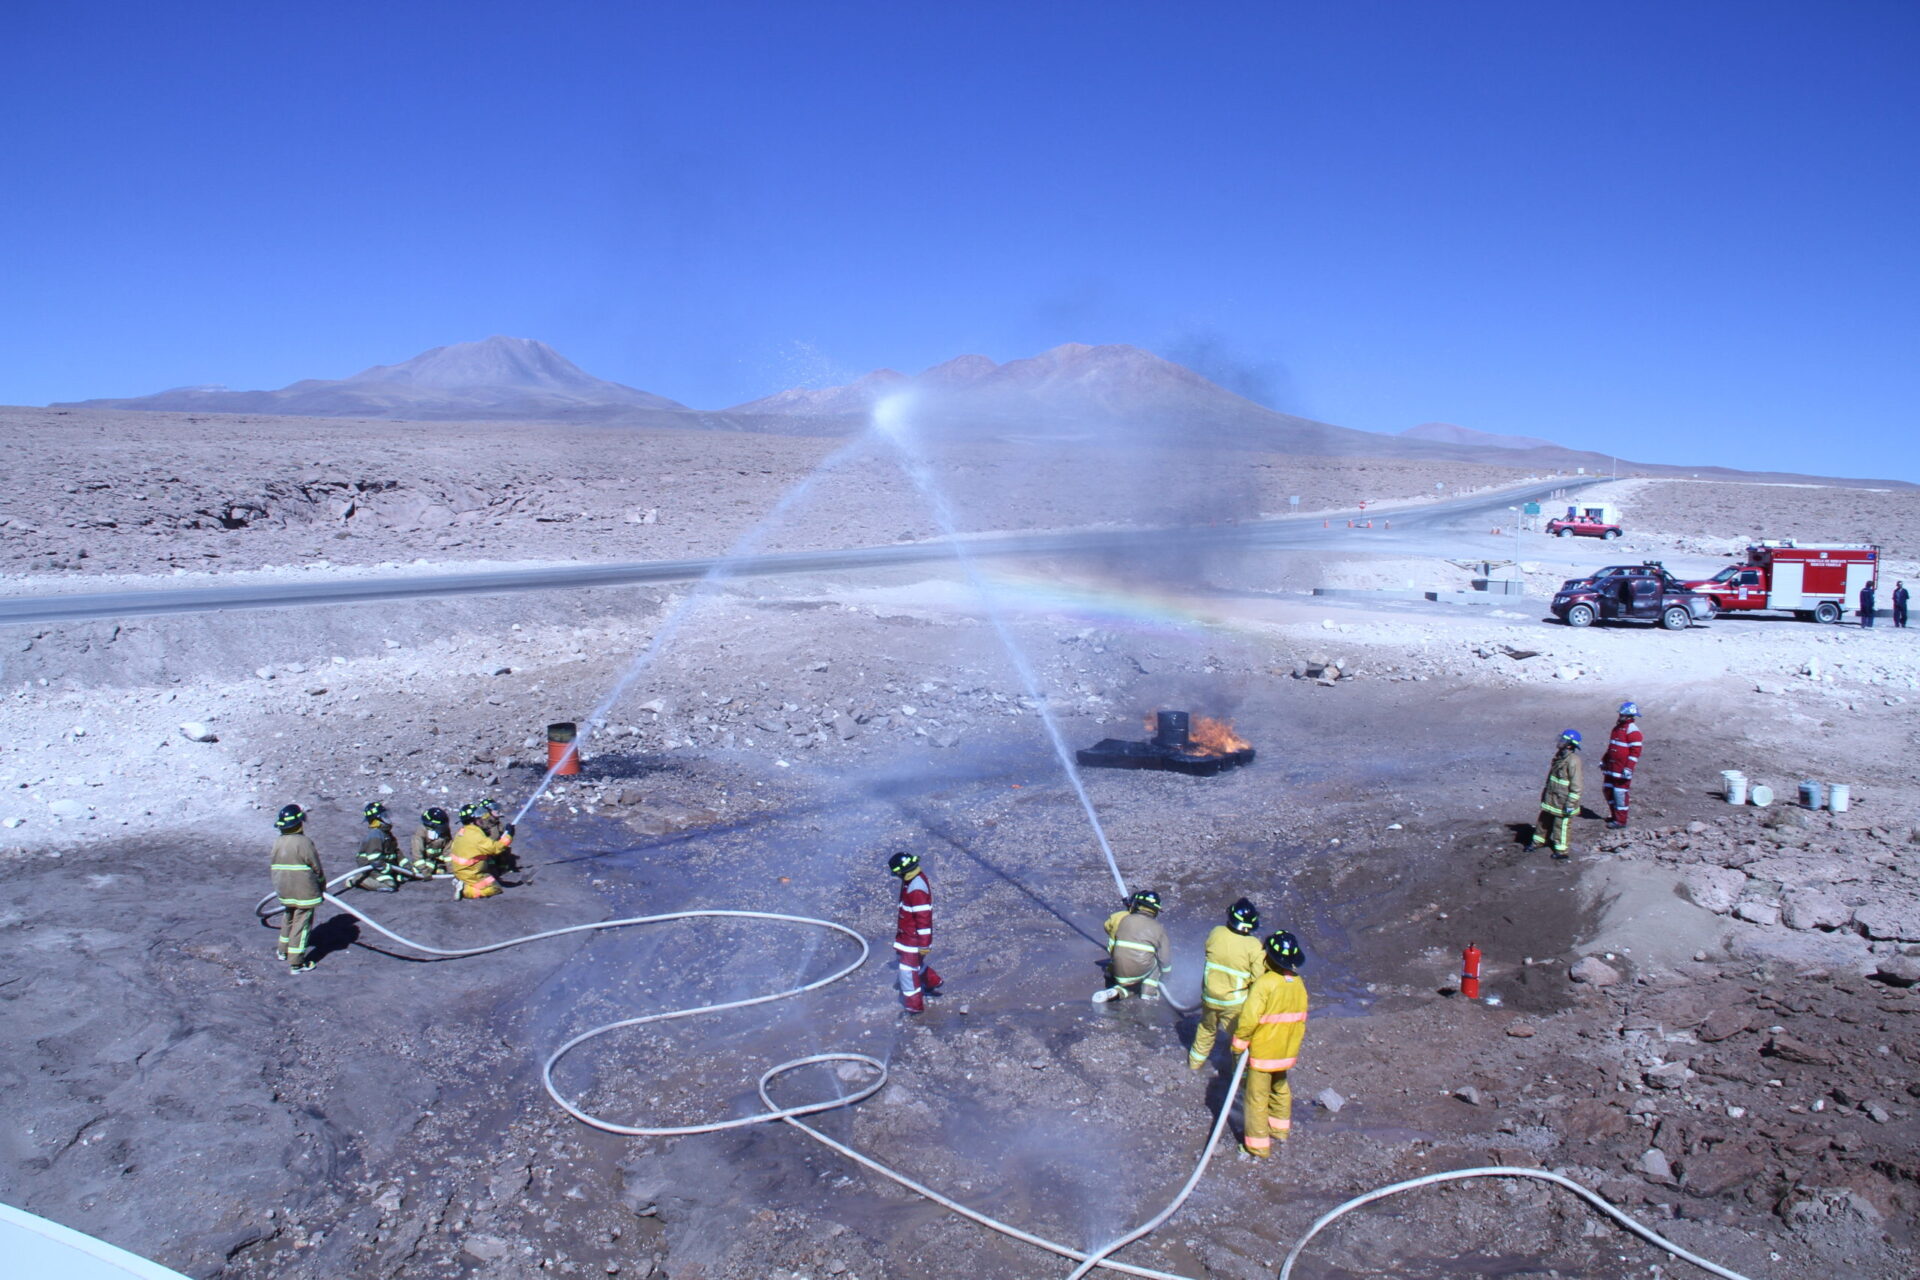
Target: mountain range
{"type": "Point", "coordinates": [1071, 394]}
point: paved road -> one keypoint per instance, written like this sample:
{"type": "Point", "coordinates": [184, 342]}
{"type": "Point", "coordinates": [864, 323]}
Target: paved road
{"type": "Point", "coordinates": [1407, 527]}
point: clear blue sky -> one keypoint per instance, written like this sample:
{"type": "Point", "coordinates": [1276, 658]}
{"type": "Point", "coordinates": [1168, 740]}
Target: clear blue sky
{"type": "Point", "coordinates": [1686, 231]}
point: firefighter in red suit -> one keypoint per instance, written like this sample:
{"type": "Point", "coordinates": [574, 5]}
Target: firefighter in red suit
{"type": "Point", "coordinates": [1618, 764]}
{"type": "Point", "coordinates": [913, 935]}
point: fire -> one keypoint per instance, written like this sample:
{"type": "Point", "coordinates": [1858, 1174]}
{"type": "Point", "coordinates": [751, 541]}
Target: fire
{"type": "Point", "coordinates": [1207, 736]}
{"type": "Point", "coordinates": [1216, 737]}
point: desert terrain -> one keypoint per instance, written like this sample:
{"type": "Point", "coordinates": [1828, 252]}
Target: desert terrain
{"type": "Point", "coordinates": [1708, 1018]}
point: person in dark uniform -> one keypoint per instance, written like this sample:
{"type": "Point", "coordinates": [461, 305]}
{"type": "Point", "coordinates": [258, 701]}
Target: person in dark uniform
{"type": "Point", "coordinates": [1900, 604]}
{"type": "Point", "coordinates": [1866, 604]}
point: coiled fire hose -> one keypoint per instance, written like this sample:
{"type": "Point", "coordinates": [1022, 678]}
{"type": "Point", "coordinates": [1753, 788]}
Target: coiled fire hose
{"type": "Point", "coordinates": [1087, 1262]}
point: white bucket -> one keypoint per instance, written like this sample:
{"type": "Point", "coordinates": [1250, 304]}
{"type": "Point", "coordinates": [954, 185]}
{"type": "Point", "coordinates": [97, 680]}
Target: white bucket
{"type": "Point", "coordinates": [1734, 786]}
{"type": "Point", "coordinates": [1760, 795]}
{"type": "Point", "coordinates": [1839, 796]}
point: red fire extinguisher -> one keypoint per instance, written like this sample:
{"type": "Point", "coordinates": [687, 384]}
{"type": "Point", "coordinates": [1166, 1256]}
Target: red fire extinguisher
{"type": "Point", "coordinates": [1470, 972]}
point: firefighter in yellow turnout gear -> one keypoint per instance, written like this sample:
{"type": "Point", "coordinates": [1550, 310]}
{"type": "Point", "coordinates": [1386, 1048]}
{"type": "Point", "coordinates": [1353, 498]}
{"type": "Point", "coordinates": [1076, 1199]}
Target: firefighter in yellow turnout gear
{"type": "Point", "coordinates": [472, 852]}
{"type": "Point", "coordinates": [1272, 1024]}
{"type": "Point", "coordinates": [298, 882]}
{"type": "Point", "coordinates": [1234, 959]}
{"type": "Point", "coordinates": [1560, 798]}
{"type": "Point", "coordinates": [1140, 953]}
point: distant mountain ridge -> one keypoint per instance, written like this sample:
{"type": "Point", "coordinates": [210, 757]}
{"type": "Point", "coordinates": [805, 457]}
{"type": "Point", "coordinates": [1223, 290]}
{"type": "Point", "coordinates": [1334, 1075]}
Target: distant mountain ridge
{"type": "Point", "coordinates": [1074, 395]}
{"type": "Point", "coordinates": [496, 377]}
{"type": "Point", "coordinates": [1448, 433]}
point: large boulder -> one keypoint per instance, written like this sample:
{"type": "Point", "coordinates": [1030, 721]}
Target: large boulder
{"type": "Point", "coordinates": [1715, 888]}
{"type": "Point", "coordinates": [1594, 972]}
{"type": "Point", "coordinates": [1895, 917]}
{"type": "Point", "coordinates": [1815, 909]}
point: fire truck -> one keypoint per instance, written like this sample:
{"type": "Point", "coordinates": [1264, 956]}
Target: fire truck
{"type": "Point", "coordinates": [1819, 581]}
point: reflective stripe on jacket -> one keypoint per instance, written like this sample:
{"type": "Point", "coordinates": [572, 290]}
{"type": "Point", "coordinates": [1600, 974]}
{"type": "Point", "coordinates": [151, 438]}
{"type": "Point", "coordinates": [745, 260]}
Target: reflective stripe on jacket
{"type": "Point", "coordinates": [1273, 1022]}
{"type": "Point", "coordinates": [913, 928]}
{"type": "Point", "coordinates": [1562, 792]}
{"type": "Point", "coordinates": [1623, 751]}
{"type": "Point", "coordinates": [473, 845]}
{"type": "Point", "coordinates": [1234, 960]}
{"type": "Point", "coordinates": [1139, 946]}
{"type": "Point", "coordinates": [298, 880]}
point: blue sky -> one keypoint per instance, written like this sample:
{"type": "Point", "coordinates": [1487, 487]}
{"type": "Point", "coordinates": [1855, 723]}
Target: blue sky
{"type": "Point", "coordinates": [1683, 231]}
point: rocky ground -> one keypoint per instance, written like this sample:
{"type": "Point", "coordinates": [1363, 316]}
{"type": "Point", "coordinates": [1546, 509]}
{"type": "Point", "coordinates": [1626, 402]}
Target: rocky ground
{"type": "Point", "coordinates": [1708, 1018]}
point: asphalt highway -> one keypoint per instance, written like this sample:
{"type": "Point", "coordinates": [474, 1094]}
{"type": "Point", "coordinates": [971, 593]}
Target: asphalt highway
{"type": "Point", "coordinates": [1304, 532]}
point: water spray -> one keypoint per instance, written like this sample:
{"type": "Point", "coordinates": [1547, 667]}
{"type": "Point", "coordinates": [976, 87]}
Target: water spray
{"type": "Point", "coordinates": [743, 548]}
{"type": "Point", "coordinates": [892, 420]}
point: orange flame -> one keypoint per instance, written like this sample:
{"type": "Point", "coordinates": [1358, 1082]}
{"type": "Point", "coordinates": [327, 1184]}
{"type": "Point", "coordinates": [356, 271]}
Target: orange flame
{"type": "Point", "coordinates": [1207, 736]}
{"type": "Point", "coordinates": [1216, 737]}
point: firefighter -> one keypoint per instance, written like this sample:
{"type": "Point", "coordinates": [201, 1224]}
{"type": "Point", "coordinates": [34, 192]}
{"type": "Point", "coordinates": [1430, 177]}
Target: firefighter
{"type": "Point", "coordinates": [379, 855]}
{"type": "Point", "coordinates": [1234, 959]}
{"type": "Point", "coordinates": [913, 933]}
{"type": "Point", "coordinates": [1622, 757]}
{"type": "Point", "coordinates": [429, 845]}
{"type": "Point", "coordinates": [1866, 604]}
{"type": "Point", "coordinates": [507, 862]}
{"type": "Point", "coordinates": [471, 854]}
{"type": "Point", "coordinates": [1139, 953]}
{"type": "Point", "coordinates": [1900, 604]}
{"type": "Point", "coordinates": [299, 883]}
{"type": "Point", "coordinates": [1272, 1024]}
{"type": "Point", "coordinates": [1560, 798]}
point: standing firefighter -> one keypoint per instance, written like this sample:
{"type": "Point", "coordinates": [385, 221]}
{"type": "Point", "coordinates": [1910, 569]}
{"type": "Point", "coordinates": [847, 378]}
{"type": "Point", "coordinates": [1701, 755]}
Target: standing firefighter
{"type": "Point", "coordinates": [298, 882]}
{"type": "Point", "coordinates": [1234, 959]}
{"type": "Point", "coordinates": [913, 933]}
{"type": "Point", "coordinates": [471, 854]}
{"type": "Point", "coordinates": [1617, 765]}
{"type": "Point", "coordinates": [1139, 953]}
{"type": "Point", "coordinates": [429, 845]}
{"type": "Point", "coordinates": [1272, 1024]}
{"type": "Point", "coordinates": [379, 854]}
{"type": "Point", "coordinates": [1560, 798]}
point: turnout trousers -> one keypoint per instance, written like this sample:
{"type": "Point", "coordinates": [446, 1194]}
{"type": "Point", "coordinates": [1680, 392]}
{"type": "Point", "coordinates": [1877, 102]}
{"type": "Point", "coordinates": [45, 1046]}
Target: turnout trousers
{"type": "Point", "coordinates": [1618, 791]}
{"type": "Point", "coordinates": [1269, 1109]}
{"type": "Point", "coordinates": [917, 977]}
{"type": "Point", "coordinates": [1212, 1021]}
{"type": "Point", "coordinates": [1552, 829]}
{"type": "Point", "coordinates": [296, 925]}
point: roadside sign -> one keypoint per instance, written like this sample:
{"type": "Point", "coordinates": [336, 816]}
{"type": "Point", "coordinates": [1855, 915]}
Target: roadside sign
{"type": "Point", "coordinates": [1294, 501]}
{"type": "Point", "coordinates": [1532, 509]}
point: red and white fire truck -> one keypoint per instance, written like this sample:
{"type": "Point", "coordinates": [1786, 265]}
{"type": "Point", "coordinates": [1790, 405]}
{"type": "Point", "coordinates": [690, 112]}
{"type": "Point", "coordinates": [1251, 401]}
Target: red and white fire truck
{"type": "Point", "coordinates": [1819, 580]}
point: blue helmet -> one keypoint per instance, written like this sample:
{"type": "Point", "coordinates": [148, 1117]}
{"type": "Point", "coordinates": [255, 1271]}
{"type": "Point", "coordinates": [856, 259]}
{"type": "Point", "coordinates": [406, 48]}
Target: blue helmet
{"type": "Point", "coordinates": [1571, 737]}
{"type": "Point", "coordinates": [1629, 708]}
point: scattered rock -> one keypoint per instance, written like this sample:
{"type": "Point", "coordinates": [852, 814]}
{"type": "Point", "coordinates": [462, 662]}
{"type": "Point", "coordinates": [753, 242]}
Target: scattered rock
{"type": "Point", "coordinates": [1471, 1096]}
{"type": "Point", "coordinates": [1899, 971]}
{"type": "Point", "coordinates": [1655, 1166]}
{"type": "Point", "coordinates": [1520, 1031]}
{"type": "Point", "coordinates": [196, 731]}
{"type": "Point", "coordinates": [1595, 972]}
{"type": "Point", "coordinates": [66, 808]}
{"type": "Point", "coordinates": [1725, 1022]}
{"type": "Point", "coordinates": [1758, 912]}
{"type": "Point", "coordinates": [1782, 1045]}
{"type": "Point", "coordinates": [1669, 1075]}
{"type": "Point", "coordinates": [485, 1248]}
{"type": "Point", "coordinates": [1330, 1099]}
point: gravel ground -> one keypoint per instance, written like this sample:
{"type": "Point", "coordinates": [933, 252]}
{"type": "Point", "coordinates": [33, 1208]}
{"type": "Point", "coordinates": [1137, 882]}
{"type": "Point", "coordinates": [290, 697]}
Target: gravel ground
{"type": "Point", "coordinates": [1742, 1073]}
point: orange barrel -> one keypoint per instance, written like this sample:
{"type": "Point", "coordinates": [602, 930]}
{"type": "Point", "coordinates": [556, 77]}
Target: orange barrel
{"type": "Point", "coordinates": [562, 758]}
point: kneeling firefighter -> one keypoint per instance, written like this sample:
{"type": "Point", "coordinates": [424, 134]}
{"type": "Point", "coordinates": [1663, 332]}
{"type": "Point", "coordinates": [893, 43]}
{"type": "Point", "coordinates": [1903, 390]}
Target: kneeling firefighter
{"type": "Point", "coordinates": [507, 862]}
{"type": "Point", "coordinates": [1272, 1024]}
{"type": "Point", "coordinates": [1140, 954]}
{"type": "Point", "coordinates": [471, 854]}
{"type": "Point", "coordinates": [429, 845]}
{"type": "Point", "coordinates": [379, 854]}
{"type": "Point", "coordinates": [1234, 959]}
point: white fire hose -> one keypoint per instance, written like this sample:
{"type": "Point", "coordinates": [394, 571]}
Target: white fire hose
{"type": "Point", "coordinates": [1086, 1261]}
